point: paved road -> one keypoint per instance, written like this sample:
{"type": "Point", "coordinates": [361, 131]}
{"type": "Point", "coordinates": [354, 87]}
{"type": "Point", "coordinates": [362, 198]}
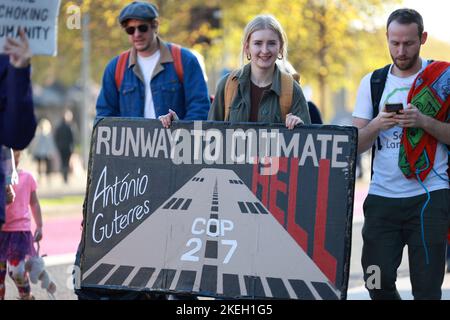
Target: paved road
{"type": "Point", "coordinates": [61, 274]}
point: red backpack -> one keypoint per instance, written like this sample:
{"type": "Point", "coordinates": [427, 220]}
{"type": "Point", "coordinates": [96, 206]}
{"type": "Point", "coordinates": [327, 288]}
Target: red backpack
{"type": "Point", "coordinates": [123, 59]}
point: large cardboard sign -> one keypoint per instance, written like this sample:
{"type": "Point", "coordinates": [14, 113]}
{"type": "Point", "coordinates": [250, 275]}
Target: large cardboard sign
{"type": "Point", "coordinates": [221, 210]}
{"type": "Point", "coordinates": [38, 18]}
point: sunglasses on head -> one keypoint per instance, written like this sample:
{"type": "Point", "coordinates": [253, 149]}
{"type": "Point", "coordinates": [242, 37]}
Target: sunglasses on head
{"type": "Point", "coordinates": [142, 29]}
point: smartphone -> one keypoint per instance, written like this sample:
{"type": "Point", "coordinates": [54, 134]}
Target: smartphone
{"type": "Point", "coordinates": [393, 107]}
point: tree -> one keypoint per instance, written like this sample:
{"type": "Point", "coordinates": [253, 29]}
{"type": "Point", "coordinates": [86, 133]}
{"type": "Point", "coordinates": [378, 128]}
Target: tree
{"type": "Point", "coordinates": [332, 43]}
{"type": "Point", "coordinates": [331, 40]}
{"type": "Point", "coordinates": [327, 38]}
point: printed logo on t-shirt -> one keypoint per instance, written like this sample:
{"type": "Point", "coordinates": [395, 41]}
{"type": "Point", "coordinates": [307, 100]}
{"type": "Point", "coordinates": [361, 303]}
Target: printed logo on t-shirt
{"type": "Point", "coordinates": [391, 139]}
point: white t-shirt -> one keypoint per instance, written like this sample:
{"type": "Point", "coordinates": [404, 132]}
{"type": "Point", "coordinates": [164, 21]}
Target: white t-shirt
{"type": "Point", "coordinates": [147, 65]}
{"type": "Point", "coordinates": [388, 180]}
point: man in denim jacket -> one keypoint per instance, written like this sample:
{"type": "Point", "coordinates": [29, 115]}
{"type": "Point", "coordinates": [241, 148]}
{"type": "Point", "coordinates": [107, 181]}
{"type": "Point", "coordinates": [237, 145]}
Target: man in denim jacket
{"type": "Point", "coordinates": [150, 87]}
{"type": "Point", "coordinates": [17, 120]}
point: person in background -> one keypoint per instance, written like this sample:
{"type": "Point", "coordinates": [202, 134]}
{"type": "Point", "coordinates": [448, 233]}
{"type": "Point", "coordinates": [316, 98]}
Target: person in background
{"type": "Point", "coordinates": [64, 141]}
{"type": "Point", "coordinates": [17, 120]}
{"type": "Point", "coordinates": [16, 239]}
{"type": "Point", "coordinates": [314, 112]}
{"type": "Point", "coordinates": [43, 149]}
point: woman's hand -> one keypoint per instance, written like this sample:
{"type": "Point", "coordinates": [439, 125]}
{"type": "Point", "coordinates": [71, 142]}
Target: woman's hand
{"type": "Point", "coordinates": [166, 120]}
{"type": "Point", "coordinates": [292, 121]}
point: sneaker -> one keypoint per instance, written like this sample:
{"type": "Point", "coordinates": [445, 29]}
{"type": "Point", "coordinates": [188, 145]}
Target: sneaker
{"type": "Point", "coordinates": [27, 297]}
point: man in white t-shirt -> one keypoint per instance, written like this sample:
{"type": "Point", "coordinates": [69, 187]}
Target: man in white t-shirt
{"type": "Point", "coordinates": [396, 213]}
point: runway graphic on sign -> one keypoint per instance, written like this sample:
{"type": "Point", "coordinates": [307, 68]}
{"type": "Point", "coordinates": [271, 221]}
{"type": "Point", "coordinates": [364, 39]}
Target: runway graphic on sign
{"type": "Point", "coordinates": [198, 242]}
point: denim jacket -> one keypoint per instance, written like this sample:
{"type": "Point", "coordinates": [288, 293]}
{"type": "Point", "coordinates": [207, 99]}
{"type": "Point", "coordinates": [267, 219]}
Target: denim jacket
{"type": "Point", "coordinates": [189, 99]}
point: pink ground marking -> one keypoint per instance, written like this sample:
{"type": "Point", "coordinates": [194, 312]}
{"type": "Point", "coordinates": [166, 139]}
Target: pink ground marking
{"type": "Point", "coordinates": [61, 235]}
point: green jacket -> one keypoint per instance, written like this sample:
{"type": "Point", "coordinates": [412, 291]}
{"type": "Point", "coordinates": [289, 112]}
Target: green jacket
{"type": "Point", "coordinates": [269, 110]}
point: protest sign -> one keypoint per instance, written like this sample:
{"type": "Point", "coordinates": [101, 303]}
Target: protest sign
{"type": "Point", "coordinates": [39, 20]}
{"type": "Point", "coordinates": [221, 210]}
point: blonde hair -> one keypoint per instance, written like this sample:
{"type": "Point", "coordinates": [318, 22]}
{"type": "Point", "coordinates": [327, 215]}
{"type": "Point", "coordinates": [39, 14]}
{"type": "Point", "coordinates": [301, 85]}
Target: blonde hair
{"type": "Point", "coordinates": [263, 22]}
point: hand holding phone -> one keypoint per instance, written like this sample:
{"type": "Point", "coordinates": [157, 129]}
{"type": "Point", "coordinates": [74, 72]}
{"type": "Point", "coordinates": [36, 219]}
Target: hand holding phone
{"type": "Point", "coordinates": [393, 107]}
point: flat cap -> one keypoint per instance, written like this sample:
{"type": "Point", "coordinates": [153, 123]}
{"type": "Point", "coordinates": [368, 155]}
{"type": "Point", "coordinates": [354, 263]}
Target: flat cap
{"type": "Point", "coordinates": [138, 10]}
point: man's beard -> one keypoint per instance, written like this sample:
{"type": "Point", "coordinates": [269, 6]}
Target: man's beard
{"type": "Point", "coordinates": [409, 65]}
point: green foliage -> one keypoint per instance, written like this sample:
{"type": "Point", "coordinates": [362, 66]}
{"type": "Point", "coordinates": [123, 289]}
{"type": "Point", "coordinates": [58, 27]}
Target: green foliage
{"type": "Point", "coordinates": [332, 43]}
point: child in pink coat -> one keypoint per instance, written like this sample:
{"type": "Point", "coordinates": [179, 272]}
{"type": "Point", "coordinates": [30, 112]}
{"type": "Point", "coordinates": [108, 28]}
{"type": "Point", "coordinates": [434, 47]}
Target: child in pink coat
{"type": "Point", "coordinates": [16, 239]}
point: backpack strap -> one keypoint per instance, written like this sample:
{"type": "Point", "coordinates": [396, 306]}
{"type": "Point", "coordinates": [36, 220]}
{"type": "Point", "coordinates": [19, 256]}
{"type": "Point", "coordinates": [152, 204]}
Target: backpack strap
{"type": "Point", "coordinates": [377, 84]}
{"type": "Point", "coordinates": [230, 92]}
{"type": "Point", "coordinates": [175, 49]}
{"type": "Point", "coordinates": [120, 68]}
{"type": "Point", "coordinates": [287, 90]}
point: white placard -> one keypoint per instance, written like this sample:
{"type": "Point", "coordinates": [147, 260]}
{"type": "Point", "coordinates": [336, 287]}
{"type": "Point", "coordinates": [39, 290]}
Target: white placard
{"type": "Point", "coordinates": [39, 18]}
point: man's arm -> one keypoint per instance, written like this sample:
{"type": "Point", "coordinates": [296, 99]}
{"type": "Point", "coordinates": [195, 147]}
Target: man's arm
{"type": "Point", "coordinates": [17, 121]}
{"type": "Point", "coordinates": [413, 118]}
{"type": "Point", "coordinates": [370, 129]}
{"type": "Point", "coordinates": [366, 134]}
{"type": "Point", "coordinates": [108, 99]}
{"type": "Point", "coordinates": [195, 88]}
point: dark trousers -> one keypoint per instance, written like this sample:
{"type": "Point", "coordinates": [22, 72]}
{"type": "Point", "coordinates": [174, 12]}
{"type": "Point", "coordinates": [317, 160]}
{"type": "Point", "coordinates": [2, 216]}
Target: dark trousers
{"type": "Point", "coordinates": [65, 160]}
{"type": "Point", "coordinates": [392, 223]}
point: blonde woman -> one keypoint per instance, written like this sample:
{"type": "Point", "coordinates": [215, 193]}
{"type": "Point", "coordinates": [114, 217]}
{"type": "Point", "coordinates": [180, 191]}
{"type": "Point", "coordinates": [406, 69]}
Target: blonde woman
{"type": "Point", "coordinates": [259, 91]}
